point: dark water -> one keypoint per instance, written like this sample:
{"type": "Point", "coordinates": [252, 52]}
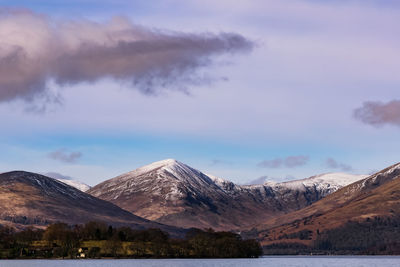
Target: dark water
{"type": "Point", "coordinates": [295, 261]}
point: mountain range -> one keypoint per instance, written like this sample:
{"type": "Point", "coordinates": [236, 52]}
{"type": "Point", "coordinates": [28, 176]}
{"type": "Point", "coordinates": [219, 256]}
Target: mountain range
{"type": "Point", "coordinates": [173, 193]}
{"type": "Point", "coordinates": [29, 199]}
{"type": "Point", "coordinates": [365, 206]}
{"type": "Point", "coordinates": [173, 196]}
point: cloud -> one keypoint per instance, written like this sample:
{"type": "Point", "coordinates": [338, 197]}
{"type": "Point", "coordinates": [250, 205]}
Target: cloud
{"type": "Point", "coordinates": [264, 179]}
{"type": "Point", "coordinates": [333, 164]}
{"type": "Point", "coordinates": [36, 49]}
{"type": "Point", "coordinates": [288, 162]}
{"type": "Point", "coordinates": [57, 175]}
{"type": "Point", "coordinates": [260, 180]}
{"type": "Point", "coordinates": [378, 113]}
{"type": "Point", "coordinates": [220, 162]}
{"type": "Point", "coordinates": [63, 156]}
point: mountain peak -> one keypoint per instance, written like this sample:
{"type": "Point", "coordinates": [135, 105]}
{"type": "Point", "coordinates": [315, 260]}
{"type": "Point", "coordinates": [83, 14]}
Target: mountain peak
{"type": "Point", "coordinates": [169, 161]}
{"type": "Point", "coordinates": [163, 163]}
{"type": "Point", "coordinates": [170, 165]}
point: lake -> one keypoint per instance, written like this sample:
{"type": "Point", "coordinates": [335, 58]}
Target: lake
{"type": "Point", "coordinates": [285, 261]}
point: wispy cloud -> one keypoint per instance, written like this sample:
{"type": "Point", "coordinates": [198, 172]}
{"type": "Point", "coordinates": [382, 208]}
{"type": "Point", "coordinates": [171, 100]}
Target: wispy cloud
{"type": "Point", "coordinates": [65, 156]}
{"type": "Point", "coordinates": [260, 180]}
{"type": "Point", "coordinates": [288, 162]}
{"type": "Point", "coordinates": [57, 175]}
{"type": "Point", "coordinates": [264, 179]}
{"type": "Point", "coordinates": [220, 162]}
{"type": "Point", "coordinates": [36, 49]}
{"type": "Point", "coordinates": [378, 113]}
{"type": "Point", "coordinates": [333, 164]}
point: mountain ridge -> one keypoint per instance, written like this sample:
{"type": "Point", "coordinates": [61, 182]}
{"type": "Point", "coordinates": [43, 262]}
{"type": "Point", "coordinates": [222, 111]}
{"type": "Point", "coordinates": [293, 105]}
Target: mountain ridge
{"type": "Point", "coordinates": [30, 199]}
{"type": "Point", "coordinates": [174, 193]}
{"type": "Point", "coordinates": [374, 196]}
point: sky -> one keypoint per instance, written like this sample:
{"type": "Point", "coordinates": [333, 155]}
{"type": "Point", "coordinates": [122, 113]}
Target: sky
{"type": "Point", "coordinates": [243, 90]}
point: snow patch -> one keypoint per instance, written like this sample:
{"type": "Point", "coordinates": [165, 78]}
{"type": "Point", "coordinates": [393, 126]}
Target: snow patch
{"type": "Point", "coordinates": [78, 185]}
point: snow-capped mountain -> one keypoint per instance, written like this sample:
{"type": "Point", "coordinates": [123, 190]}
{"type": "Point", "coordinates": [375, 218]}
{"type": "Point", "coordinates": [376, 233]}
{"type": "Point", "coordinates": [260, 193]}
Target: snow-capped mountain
{"type": "Point", "coordinates": [167, 191]}
{"type": "Point", "coordinates": [376, 197]}
{"type": "Point", "coordinates": [324, 184]}
{"type": "Point", "coordinates": [68, 180]}
{"type": "Point", "coordinates": [78, 185]}
{"type": "Point", "coordinates": [171, 192]}
{"type": "Point", "coordinates": [30, 199]}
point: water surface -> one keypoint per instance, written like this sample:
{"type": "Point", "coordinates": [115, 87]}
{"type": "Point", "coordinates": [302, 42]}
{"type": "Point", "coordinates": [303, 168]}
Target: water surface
{"type": "Point", "coordinates": [292, 261]}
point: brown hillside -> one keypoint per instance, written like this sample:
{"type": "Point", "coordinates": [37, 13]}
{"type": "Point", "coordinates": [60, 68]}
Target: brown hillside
{"type": "Point", "coordinates": [375, 196]}
{"type": "Point", "coordinates": [29, 199]}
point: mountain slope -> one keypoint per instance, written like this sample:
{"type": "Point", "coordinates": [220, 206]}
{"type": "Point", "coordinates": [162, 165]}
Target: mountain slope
{"type": "Point", "coordinates": [167, 191]}
{"type": "Point", "coordinates": [77, 184]}
{"type": "Point", "coordinates": [173, 193]}
{"type": "Point", "coordinates": [377, 196]}
{"type": "Point", "coordinates": [67, 180]}
{"type": "Point", "coordinates": [36, 200]}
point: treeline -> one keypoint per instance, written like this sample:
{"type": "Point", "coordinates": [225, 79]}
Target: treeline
{"type": "Point", "coordinates": [372, 236]}
{"type": "Point", "coordinates": [97, 240]}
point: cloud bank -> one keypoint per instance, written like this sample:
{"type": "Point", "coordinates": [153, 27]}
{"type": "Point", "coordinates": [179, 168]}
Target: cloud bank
{"type": "Point", "coordinates": [378, 113]}
{"type": "Point", "coordinates": [288, 162]}
{"type": "Point", "coordinates": [64, 156]}
{"type": "Point", "coordinates": [333, 164]}
{"type": "Point", "coordinates": [35, 49]}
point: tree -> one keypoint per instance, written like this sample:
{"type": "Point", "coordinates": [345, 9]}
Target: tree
{"type": "Point", "coordinates": [61, 234]}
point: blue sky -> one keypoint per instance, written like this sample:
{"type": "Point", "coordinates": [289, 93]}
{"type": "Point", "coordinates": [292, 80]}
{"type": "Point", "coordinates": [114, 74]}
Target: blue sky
{"type": "Point", "coordinates": [293, 96]}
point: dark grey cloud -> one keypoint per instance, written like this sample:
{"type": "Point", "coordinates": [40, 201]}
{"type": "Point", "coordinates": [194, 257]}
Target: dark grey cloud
{"type": "Point", "coordinates": [35, 49]}
{"type": "Point", "coordinates": [378, 113]}
{"type": "Point", "coordinates": [333, 164]}
{"type": "Point", "coordinates": [65, 156]}
{"type": "Point", "coordinates": [288, 162]}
